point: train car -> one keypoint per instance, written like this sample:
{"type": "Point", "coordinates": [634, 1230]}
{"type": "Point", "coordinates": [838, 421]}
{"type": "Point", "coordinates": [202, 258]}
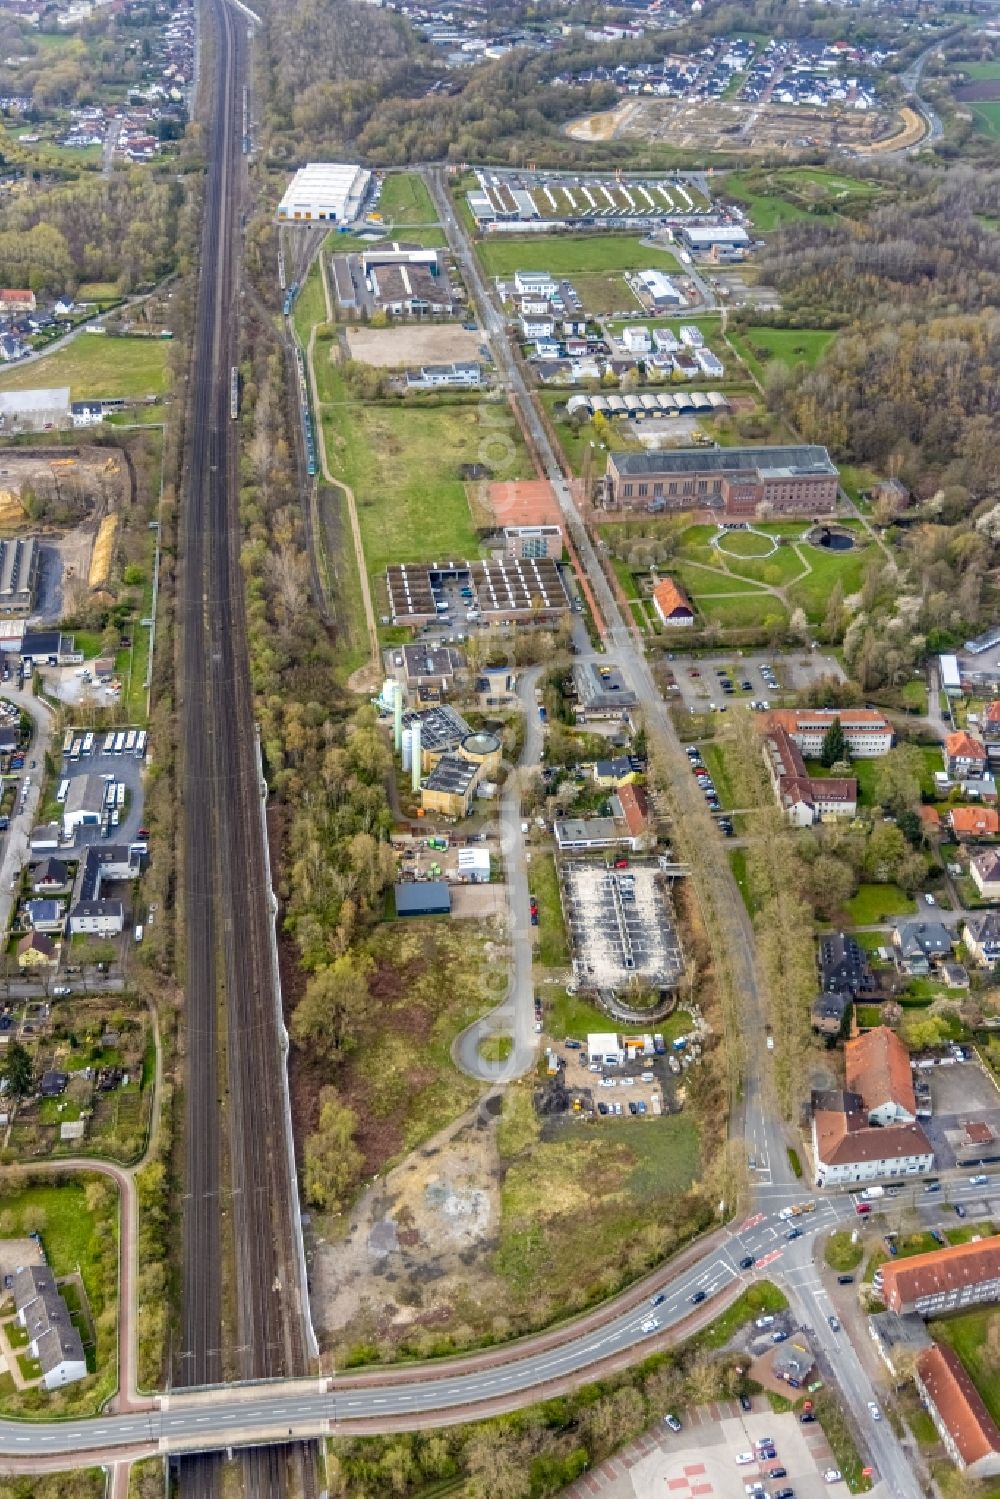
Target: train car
{"type": "Point", "coordinates": [281, 271]}
{"type": "Point", "coordinates": [234, 392]}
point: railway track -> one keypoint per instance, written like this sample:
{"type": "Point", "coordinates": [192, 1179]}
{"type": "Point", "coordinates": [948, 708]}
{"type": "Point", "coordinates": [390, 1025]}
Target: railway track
{"type": "Point", "coordinates": [242, 1319]}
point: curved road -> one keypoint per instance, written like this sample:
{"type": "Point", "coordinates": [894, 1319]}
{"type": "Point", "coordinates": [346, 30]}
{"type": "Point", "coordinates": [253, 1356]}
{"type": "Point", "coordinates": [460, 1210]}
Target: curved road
{"type": "Point", "coordinates": [515, 1016]}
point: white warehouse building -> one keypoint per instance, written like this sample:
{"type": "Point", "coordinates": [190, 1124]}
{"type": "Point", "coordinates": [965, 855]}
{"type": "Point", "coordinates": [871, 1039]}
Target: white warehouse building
{"type": "Point", "coordinates": [327, 190]}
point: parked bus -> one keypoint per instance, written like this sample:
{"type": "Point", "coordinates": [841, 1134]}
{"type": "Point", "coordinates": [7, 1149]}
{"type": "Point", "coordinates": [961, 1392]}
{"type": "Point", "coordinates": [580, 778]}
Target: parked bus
{"type": "Point", "coordinates": [63, 791]}
{"type": "Point", "coordinates": [119, 743]}
{"type": "Point", "coordinates": [68, 742]}
{"type": "Point", "coordinates": [121, 793]}
{"type": "Point", "coordinates": [74, 753]}
{"type": "Point", "coordinates": [140, 744]}
{"type": "Point", "coordinates": [88, 744]}
{"type": "Point", "coordinates": [130, 742]}
{"type": "Point", "coordinates": [109, 743]}
{"type": "Point", "coordinates": [109, 794]}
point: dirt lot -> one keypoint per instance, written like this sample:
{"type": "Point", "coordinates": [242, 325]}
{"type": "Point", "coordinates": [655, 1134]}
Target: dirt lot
{"type": "Point", "coordinates": [720, 125]}
{"type": "Point", "coordinates": [393, 348]}
{"type": "Point", "coordinates": [478, 901]}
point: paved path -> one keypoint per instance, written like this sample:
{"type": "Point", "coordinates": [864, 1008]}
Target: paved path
{"type": "Point", "coordinates": [515, 1016]}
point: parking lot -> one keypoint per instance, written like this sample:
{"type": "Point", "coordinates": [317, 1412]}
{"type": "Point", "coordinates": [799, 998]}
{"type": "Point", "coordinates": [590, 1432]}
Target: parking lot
{"type": "Point", "coordinates": [621, 926]}
{"type": "Point", "coordinates": [128, 771]}
{"type": "Point", "coordinates": [639, 1089]}
{"type": "Point", "coordinates": [700, 1460]}
{"type": "Point", "coordinates": [962, 1093]}
{"type": "Point", "coordinates": [699, 677]}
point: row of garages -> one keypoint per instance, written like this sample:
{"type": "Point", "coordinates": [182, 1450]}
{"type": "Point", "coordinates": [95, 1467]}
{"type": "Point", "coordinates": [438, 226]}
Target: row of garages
{"type": "Point", "coordinates": [649, 404]}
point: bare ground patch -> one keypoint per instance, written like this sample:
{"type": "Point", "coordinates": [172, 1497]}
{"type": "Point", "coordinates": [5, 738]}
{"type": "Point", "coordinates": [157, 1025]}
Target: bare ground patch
{"type": "Point", "coordinates": [392, 348]}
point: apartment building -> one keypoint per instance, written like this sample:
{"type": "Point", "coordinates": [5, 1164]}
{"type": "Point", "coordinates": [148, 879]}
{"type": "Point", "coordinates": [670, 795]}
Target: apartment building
{"type": "Point", "coordinates": [966, 1428]}
{"type": "Point", "coordinates": [867, 734]}
{"type": "Point", "coordinates": [793, 480]}
{"type": "Point", "coordinates": [946, 1280]}
{"type": "Point", "coordinates": [805, 799]}
{"type": "Point", "coordinates": [869, 1131]}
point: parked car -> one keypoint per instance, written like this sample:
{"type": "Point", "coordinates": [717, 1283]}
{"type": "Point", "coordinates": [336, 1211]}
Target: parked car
{"type": "Point", "coordinates": [672, 1421]}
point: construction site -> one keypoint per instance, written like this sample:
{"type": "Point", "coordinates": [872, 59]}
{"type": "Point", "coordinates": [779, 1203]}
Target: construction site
{"type": "Point", "coordinates": [729, 124]}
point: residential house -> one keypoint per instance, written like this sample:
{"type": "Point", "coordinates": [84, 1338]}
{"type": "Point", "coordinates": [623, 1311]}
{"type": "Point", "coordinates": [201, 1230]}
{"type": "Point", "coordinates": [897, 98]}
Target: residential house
{"type": "Point", "coordinates": [37, 951]}
{"type": "Point", "coordinates": [827, 1014]}
{"type": "Point", "coordinates": [919, 943]}
{"type": "Point", "coordinates": [844, 967]}
{"type": "Point", "coordinates": [691, 336]}
{"type": "Point", "coordinates": [50, 877]}
{"type": "Point", "coordinates": [945, 1280]}
{"type": "Point", "coordinates": [536, 327]}
{"type": "Point", "coordinates": [984, 867]}
{"type": "Point", "coordinates": [53, 1084]}
{"type": "Point", "coordinates": [98, 918]}
{"type": "Point", "coordinates": [619, 771]}
{"type": "Point", "coordinates": [671, 604]}
{"type": "Point", "coordinates": [636, 339]}
{"type": "Point", "coordinates": [710, 364]}
{"type": "Point", "coordinates": [847, 1149]}
{"type": "Point", "coordinates": [793, 1361]}
{"type": "Point", "coordinates": [974, 822]}
{"type": "Point", "coordinates": [981, 935]}
{"type": "Point", "coordinates": [964, 756]}
{"type": "Point", "coordinates": [969, 1433]}
{"type": "Point", "coordinates": [44, 915]}
{"type": "Point", "coordinates": [877, 1067]}
{"type": "Point", "coordinates": [990, 725]}
{"type": "Point", "coordinates": [631, 805]}
{"type": "Point", "coordinates": [52, 1338]}
{"type": "Point", "coordinates": [665, 341]}
{"type": "Point", "coordinates": [17, 301]}
{"type": "Point", "coordinates": [684, 365]}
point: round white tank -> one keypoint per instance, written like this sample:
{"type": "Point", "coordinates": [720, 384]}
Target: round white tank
{"type": "Point", "coordinates": [407, 749]}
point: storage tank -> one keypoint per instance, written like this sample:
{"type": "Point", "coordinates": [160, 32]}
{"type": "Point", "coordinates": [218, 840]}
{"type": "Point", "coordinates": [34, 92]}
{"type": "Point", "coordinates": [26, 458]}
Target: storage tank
{"type": "Point", "coordinates": [387, 696]}
{"type": "Point", "coordinates": [407, 749]}
{"type": "Point", "coordinates": [416, 753]}
{"type": "Point", "coordinates": [397, 716]}
{"type": "Point", "coordinates": [483, 750]}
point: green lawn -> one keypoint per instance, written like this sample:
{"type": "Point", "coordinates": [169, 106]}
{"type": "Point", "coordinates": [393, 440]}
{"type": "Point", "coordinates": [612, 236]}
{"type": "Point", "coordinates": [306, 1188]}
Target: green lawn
{"type": "Point", "coordinates": [967, 1334]}
{"type": "Point", "coordinates": [789, 346]}
{"type": "Point", "coordinates": [813, 593]}
{"type": "Point", "coordinates": [604, 292]}
{"type": "Point", "coordinates": [987, 113]}
{"type": "Point", "coordinates": [310, 305]}
{"type": "Point", "coordinates": [743, 613]}
{"type": "Point", "coordinates": [778, 197]}
{"type": "Point", "coordinates": [553, 945]}
{"type": "Point", "coordinates": [404, 199]}
{"type": "Point", "coordinates": [981, 72]}
{"type": "Point", "coordinates": [744, 544]}
{"type": "Point", "coordinates": [872, 904]}
{"type": "Point", "coordinates": [778, 570]}
{"type": "Point", "coordinates": [738, 864]}
{"type": "Point", "coordinates": [841, 1254]}
{"type": "Point", "coordinates": [567, 254]}
{"type": "Point", "coordinates": [570, 1014]}
{"type": "Point", "coordinates": [768, 211]}
{"type": "Point", "coordinates": [706, 580]}
{"type": "Point", "coordinates": [96, 365]}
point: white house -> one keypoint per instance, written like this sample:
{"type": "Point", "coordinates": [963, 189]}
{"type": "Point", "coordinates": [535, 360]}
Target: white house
{"type": "Point", "coordinates": [848, 1150]}
{"type": "Point", "coordinates": [52, 1338]}
{"type": "Point", "coordinates": [711, 365]}
{"type": "Point", "coordinates": [691, 337]}
{"type": "Point", "coordinates": [665, 341]}
{"type": "Point", "coordinates": [536, 327]}
{"type": "Point", "coordinates": [534, 283]}
{"type": "Point", "coordinates": [97, 918]}
{"type": "Point", "coordinates": [636, 340]}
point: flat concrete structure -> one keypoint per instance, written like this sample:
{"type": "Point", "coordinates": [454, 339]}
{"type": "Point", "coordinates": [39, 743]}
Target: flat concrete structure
{"type": "Point", "coordinates": [621, 925]}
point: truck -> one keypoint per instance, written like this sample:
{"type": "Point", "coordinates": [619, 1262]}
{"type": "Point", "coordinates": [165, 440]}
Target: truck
{"type": "Point", "coordinates": [872, 1194]}
{"type": "Point", "coordinates": [658, 1045]}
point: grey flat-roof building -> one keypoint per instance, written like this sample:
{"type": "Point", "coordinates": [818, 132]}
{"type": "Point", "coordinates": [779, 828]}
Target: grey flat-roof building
{"type": "Point", "coordinates": [602, 691]}
{"type": "Point", "coordinates": [423, 898]}
{"type": "Point", "coordinates": [18, 574]}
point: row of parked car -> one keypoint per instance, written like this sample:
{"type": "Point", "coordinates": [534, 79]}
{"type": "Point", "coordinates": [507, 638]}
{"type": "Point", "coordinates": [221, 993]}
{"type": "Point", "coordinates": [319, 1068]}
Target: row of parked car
{"type": "Point", "coordinates": [707, 785]}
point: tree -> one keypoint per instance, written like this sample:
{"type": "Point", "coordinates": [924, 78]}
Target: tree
{"type": "Point", "coordinates": [326, 1019]}
{"type": "Point", "coordinates": [834, 745]}
{"type": "Point", "coordinates": [332, 1158]}
{"type": "Point", "coordinates": [897, 778]}
{"type": "Point", "coordinates": [18, 1070]}
{"type": "Point", "coordinates": [909, 824]}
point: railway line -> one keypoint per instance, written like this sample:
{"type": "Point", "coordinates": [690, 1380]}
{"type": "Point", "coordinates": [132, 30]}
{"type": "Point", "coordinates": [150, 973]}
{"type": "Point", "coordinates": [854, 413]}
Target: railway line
{"type": "Point", "coordinates": [243, 1317]}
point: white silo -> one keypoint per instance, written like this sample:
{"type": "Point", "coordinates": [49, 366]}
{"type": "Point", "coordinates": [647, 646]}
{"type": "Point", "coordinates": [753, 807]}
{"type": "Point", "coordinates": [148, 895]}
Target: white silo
{"type": "Point", "coordinates": [407, 749]}
{"type": "Point", "coordinates": [397, 716]}
{"type": "Point", "coordinates": [416, 750]}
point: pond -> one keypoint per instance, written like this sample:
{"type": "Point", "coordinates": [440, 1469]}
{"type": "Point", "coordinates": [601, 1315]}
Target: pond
{"type": "Point", "coordinates": [832, 540]}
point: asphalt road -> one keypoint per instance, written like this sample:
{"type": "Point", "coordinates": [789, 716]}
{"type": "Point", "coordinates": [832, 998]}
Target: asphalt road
{"type": "Point", "coordinates": [515, 1016]}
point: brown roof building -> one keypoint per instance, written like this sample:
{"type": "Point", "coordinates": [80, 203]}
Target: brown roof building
{"type": "Point", "coordinates": [943, 1281]}
{"type": "Point", "coordinates": [877, 1065]}
{"type": "Point", "coordinates": [671, 604]}
{"type": "Point", "coordinates": [847, 1149]}
{"type": "Point", "coordinates": [975, 822]}
{"type": "Point", "coordinates": [956, 1407]}
{"type": "Point", "coordinates": [803, 798]}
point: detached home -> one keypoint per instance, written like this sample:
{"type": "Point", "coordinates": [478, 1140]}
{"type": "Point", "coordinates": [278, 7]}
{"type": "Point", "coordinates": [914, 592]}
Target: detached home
{"type": "Point", "coordinates": [671, 604]}
{"type": "Point", "coordinates": [965, 757]}
{"type": "Point", "coordinates": [984, 867]}
{"type": "Point", "coordinates": [981, 936]}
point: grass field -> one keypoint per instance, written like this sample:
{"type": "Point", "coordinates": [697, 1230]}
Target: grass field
{"type": "Point", "coordinates": [987, 113]}
{"type": "Point", "coordinates": [872, 904]}
{"type": "Point", "coordinates": [789, 346]}
{"type": "Point", "coordinates": [583, 1210]}
{"type": "Point", "coordinates": [404, 467]}
{"type": "Point", "coordinates": [841, 1254]}
{"type": "Point", "coordinates": [404, 199]}
{"type": "Point", "coordinates": [745, 611]}
{"type": "Point", "coordinates": [813, 593]}
{"type": "Point", "coordinates": [310, 305]}
{"type": "Point", "coordinates": [714, 756]}
{"type": "Point", "coordinates": [567, 254]}
{"type": "Point", "coordinates": [602, 292]}
{"type": "Point", "coordinates": [95, 365]}
{"type": "Point", "coordinates": [774, 198]}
